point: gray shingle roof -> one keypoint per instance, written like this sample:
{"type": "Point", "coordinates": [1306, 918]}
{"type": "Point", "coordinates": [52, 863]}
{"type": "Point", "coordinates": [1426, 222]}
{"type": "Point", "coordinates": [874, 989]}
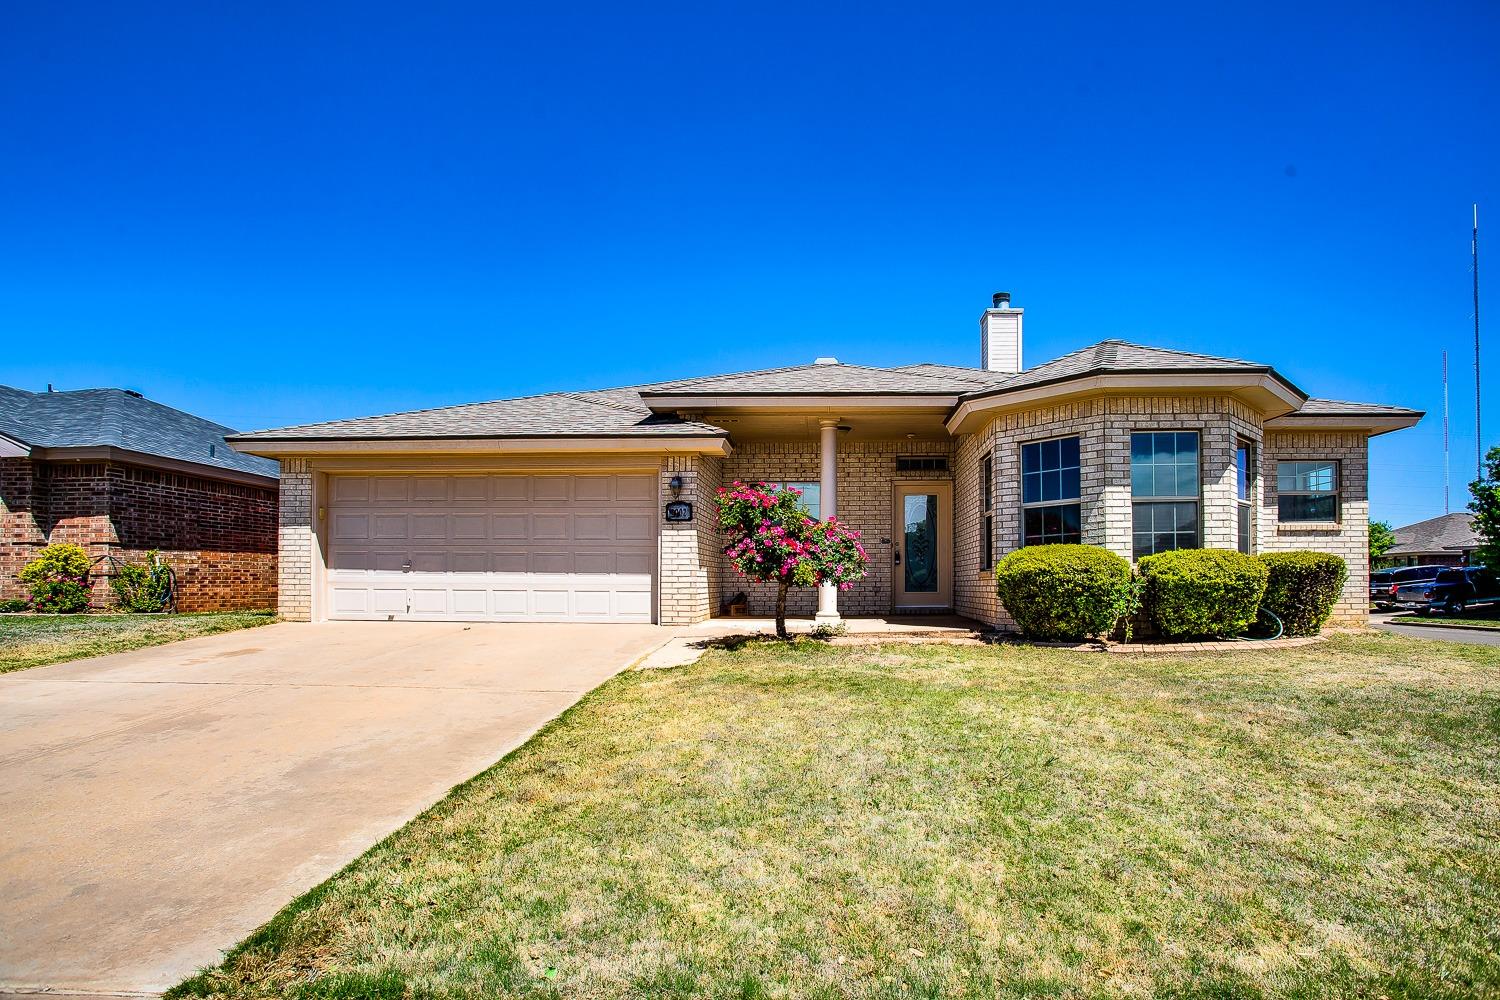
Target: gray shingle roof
{"type": "Point", "coordinates": [1448, 532]}
{"type": "Point", "coordinates": [116, 418]}
{"type": "Point", "coordinates": [1344, 407]}
{"type": "Point", "coordinates": [827, 379]}
{"type": "Point", "coordinates": [1123, 356]}
{"type": "Point", "coordinates": [601, 413]}
{"type": "Point", "coordinates": [626, 412]}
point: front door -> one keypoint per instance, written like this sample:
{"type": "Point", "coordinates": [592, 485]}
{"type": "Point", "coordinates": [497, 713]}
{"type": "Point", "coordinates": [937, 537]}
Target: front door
{"type": "Point", "coordinates": [923, 545]}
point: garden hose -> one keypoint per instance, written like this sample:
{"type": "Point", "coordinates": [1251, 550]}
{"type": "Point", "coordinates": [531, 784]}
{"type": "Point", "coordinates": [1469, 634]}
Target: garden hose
{"type": "Point", "coordinates": [1280, 630]}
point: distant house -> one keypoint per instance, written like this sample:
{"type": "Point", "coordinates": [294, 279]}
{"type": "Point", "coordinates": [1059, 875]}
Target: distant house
{"type": "Point", "coordinates": [1448, 540]}
{"type": "Point", "coordinates": [120, 475]}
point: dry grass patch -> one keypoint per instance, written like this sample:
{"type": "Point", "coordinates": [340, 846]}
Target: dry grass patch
{"type": "Point", "coordinates": [37, 640]}
{"type": "Point", "coordinates": [949, 822]}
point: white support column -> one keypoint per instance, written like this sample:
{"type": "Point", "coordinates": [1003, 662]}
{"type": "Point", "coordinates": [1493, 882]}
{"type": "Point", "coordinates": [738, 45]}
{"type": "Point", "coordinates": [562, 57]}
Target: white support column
{"type": "Point", "coordinates": [828, 594]}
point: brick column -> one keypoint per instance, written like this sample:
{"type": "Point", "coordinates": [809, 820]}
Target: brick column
{"type": "Point", "coordinates": [296, 539]}
{"type": "Point", "coordinates": [688, 568]}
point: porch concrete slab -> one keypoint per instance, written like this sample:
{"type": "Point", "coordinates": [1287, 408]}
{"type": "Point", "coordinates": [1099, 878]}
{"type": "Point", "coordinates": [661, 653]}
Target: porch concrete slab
{"type": "Point", "coordinates": [161, 804]}
{"type": "Point", "coordinates": [863, 625]}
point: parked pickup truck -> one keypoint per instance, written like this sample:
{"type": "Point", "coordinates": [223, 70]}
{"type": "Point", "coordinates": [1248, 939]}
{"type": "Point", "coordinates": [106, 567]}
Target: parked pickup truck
{"type": "Point", "coordinates": [1452, 591]}
{"type": "Point", "coordinates": [1385, 583]}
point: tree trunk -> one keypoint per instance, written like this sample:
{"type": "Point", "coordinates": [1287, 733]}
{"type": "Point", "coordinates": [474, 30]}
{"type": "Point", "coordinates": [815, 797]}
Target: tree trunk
{"type": "Point", "coordinates": [781, 632]}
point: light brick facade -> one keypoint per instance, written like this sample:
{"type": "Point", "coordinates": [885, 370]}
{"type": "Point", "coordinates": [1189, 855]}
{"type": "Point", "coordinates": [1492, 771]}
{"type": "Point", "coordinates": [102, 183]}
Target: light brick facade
{"type": "Point", "coordinates": [1104, 426]}
{"type": "Point", "coordinates": [693, 580]}
{"type": "Point", "coordinates": [1350, 536]}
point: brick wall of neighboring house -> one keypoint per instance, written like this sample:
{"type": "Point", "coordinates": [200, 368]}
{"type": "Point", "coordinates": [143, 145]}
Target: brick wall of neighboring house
{"type": "Point", "coordinates": [20, 532]}
{"type": "Point", "coordinates": [866, 472]}
{"type": "Point", "coordinates": [218, 537]}
{"type": "Point", "coordinates": [688, 566]}
{"type": "Point", "coordinates": [1349, 536]}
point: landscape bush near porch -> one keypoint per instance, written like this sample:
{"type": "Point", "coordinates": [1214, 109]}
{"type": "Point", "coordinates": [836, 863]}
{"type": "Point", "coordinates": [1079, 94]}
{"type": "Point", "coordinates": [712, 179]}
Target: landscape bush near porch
{"type": "Point", "coordinates": [1202, 592]}
{"type": "Point", "coordinates": [770, 538]}
{"type": "Point", "coordinates": [1075, 592]}
{"type": "Point", "coordinates": [1302, 588]}
{"type": "Point", "coordinates": [1065, 592]}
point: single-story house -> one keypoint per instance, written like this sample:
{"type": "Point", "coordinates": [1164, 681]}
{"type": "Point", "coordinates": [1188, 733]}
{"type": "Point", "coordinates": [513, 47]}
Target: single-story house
{"type": "Point", "coordinates": [121, 475]}
{"type": "Point", "coordinates": [599, 505]}
{"type": "Point", "coordinates": [1448, 540]}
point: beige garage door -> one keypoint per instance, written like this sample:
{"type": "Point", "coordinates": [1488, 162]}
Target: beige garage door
{"type": "Point", "coordinates": [492, 547]}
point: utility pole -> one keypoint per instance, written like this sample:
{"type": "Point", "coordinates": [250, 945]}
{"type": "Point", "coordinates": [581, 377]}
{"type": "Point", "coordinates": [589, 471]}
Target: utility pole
{"type": "Point", "coordinates": [1478, 433]}
{"type": "Point", "coordinates": [1446, 508]}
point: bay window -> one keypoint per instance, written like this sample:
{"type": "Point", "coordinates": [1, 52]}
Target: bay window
{"type": "Point", "coordinates": [987, 517]}
{"type": "Point", "coordinates": [1051, 486]}
{"type": "Point", "coordinates": [1164, 489]}
{"type": "Point", "coordinates": [1244, 486]}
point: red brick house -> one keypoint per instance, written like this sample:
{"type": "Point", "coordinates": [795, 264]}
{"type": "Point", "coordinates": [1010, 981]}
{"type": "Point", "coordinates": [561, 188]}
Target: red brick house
{"type": "Point", "coordinates": [121, 475]}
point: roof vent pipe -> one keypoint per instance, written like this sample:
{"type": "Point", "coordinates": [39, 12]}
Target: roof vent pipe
{"type": "Point", "coordinates": [1000, 300]}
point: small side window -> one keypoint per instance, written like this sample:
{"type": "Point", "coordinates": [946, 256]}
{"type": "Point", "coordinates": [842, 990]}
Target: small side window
{"type": "Point", "coordinates": [987, 510]}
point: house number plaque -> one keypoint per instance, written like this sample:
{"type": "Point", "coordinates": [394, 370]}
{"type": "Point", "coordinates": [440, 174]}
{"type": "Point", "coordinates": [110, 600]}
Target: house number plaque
{"type": "Point", "coordinates": [679, 510]}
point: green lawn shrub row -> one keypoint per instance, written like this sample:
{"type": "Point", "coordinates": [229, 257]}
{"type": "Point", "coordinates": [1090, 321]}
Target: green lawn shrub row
{"type": "Point", "coordinates": [1074, 592]}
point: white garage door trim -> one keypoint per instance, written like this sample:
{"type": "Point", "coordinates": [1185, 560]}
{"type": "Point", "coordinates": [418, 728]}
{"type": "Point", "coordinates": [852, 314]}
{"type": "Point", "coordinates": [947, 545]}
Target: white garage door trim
{"type": "Point", "coordinates": [563, 547]}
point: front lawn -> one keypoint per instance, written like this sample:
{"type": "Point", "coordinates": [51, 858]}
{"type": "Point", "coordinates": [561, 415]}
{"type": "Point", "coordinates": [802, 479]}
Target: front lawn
{"type": "Point", "coordinates": [939, 821]}
{"type": "Point", "coordinates": [36, 640]}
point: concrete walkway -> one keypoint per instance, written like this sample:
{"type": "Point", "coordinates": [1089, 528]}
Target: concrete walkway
{"type": "Point", "coordinates": [159, 805]}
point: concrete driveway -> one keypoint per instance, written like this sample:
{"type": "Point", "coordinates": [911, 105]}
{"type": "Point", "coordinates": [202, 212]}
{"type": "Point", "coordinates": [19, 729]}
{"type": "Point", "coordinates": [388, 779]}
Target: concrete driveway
{"type": "Point", "coordinates": [1440, 633]}
{"type": "Point", "coordinates": [158, 805]}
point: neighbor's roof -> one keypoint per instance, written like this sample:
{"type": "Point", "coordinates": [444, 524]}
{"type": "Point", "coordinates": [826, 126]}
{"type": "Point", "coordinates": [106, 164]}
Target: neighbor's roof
{"type": "Point", "coordinates": [626, 412]}
{"type": "Point", "coordinates": [1446, 533]}
{"type": "Point", "coordinates": [118, 418]}
{"type": "Point", "coordinates": [602, 413]}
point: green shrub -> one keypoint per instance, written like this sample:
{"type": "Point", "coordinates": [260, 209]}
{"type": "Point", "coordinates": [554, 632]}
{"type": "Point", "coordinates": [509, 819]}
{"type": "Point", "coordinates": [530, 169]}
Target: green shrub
{"type": "Point", "coordinates": [59, 579]}
{"type": "Point", "coordinates": [1064, 591]}
{"type": "Point", "coordinates": [143, 588]}
{"type": "Point", "coordinates": [57, 562]}
{"type": "Point", "coordinates": [14, 605]}
{"type": "Point", "coordinates": [60, 597]}
{"type": "Point", "coordinates": [1303, 588]}
{"type": "Point", "coordinates": [1202, 592]}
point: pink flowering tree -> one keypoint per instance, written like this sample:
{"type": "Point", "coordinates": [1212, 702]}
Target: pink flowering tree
{"type": "Point", "coordinates": [770, 538]}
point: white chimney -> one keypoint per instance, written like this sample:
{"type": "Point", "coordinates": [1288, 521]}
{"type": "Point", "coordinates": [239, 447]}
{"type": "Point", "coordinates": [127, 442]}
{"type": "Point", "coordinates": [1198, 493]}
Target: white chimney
{"type": "Point", "coordinates": [1000, 335]}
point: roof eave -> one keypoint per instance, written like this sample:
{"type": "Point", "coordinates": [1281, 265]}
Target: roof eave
{"type": "Point", "coordinates": [13, 447]}
{"type": "Point", "coordinates": [1372, 424]}
{"type": "Point", "coordinates": [703, 444]}
{"type": "Point", "coordinates": [1261, 387]}
{"type": "Point", "coordinates": [109, 453]}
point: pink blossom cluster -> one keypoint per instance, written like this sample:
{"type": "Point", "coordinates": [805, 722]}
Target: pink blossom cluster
{"type": "Point", "coordinates": [772, 538]}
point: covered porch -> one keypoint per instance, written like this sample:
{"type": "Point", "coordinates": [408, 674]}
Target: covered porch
{"type": "Point", "coordinates": [880, 462]}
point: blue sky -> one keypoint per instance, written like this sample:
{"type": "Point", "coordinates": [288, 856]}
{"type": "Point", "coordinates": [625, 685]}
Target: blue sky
{"type": "Point", "coordinates": [270, 215]}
